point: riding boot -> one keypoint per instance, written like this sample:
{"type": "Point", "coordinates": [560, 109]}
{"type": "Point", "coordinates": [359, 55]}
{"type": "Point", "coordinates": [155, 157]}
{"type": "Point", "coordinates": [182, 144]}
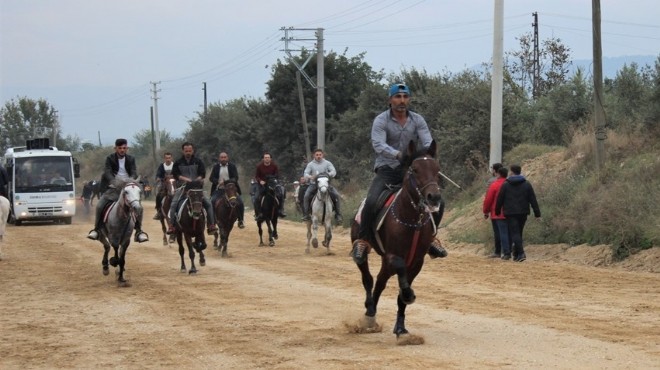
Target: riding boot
{"type": "Point", "coordinates": [241, 213]}
{"type": "Point", "coordinates": [306, 215]}
{"type": "Point", "coordinates": [140, 236]}
{"type": "Point", "coordinates": [257, 210]}
{"type": "Point", "coordinates": [436, 250]}
{"type": "Point", "coordinates": [211, 227]}
{"type": "Point", "coordinates": [338, 217]}
{"type": "Point", "coordinates": [98, 222]}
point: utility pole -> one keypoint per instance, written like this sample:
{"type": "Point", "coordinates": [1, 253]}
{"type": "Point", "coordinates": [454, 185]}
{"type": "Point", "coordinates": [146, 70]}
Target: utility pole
{"type": "Point", "coordinates": [320, 99]}
{"type": "Point", "coordinates": [301, 98]}
{"type": "Point", "coordinates": [156, 129]}
{"type": "Point", "coordinates": [56, 125]}
{"type": "Point", "coordinates": [536, 90]}
{"type": "Point", "coordinates": [153, 139]}
{"type": "Point", "coordinates": [320, 76]}
{"type": "Point", "coordinates": [599, 111]}
{"type": "Point", "coordinates": [205, 105]}
{"type": "Point", "coordinates": [496, 84]}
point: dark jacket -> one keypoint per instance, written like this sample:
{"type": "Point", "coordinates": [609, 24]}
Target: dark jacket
{"type": "Point", "coordinates": [112, 167]}
{"type": "Point", "coordinates": [191, 169]}
{"type": "Point", "coordinates": [215, 176]}
{"type": "Point", "coordinates": [4, 181]}
{"type": "Point", "coordinates": [515, 197]}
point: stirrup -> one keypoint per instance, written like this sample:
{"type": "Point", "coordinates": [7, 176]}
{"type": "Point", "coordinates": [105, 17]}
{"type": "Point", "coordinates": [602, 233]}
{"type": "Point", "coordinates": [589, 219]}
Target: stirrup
{"type": "Point", "coordinates": [141, 236]}
{"type": "Point", "coordinates": [93, 235]}
{"type": "Point", "coordinates": [436, 250]}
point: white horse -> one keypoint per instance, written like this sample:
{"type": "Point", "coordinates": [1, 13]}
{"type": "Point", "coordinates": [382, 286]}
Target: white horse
{"type": "Point", "coordinates": [4, 214]}
{"type": "Point", "coordinates": [118, 228]}
{"type": "Point", "coordinates": [323, 212]}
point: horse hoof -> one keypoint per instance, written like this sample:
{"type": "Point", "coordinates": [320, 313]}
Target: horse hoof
{"type": "Point", "coordinates": [183, 270]}
{"type": "Point", "coordinates": [324, 243]}
{"type": "Point", "coordinates": [315, 243]}
{"type": "Point", "coordinates": [192, 272]}
{"type": "Point", "coordinates": [202, 263]}
{"type": "Point", "coordinates": [114, 261]}
{"type": "Point", "coordinates": [123, 284]}
{"type": "Point", "coordinates": [106, 271]}
{"type": "Point", "coordinates": [306, 250]}
{"type": "Point", "coordinates": [271, 244]}
{"type": "Point", "coordinates": [225, 254]}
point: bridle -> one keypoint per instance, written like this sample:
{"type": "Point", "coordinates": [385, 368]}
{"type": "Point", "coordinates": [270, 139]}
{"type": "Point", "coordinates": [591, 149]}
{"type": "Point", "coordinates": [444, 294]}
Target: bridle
{"type": "Point", "coordinates": [416, 198]}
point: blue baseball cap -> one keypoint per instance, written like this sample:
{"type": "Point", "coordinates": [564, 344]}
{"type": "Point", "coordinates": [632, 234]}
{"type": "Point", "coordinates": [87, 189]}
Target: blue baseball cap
{"type": "Point", "coordinates": [399, 88]}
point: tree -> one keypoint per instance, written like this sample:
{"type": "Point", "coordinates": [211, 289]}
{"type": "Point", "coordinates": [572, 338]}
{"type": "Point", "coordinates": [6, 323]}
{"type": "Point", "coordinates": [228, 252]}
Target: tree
{"type": "Point", "coordinates": [24, 119]}
{"type": "Point", "coordinates": [554, 63]}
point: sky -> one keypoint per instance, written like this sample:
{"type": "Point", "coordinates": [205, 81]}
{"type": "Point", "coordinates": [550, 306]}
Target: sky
{"type": "Point", "coordinates": [94, 61]}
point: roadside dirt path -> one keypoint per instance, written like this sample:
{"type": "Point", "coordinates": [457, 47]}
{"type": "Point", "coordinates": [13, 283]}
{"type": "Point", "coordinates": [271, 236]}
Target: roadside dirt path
{"type": "Point", "coordinates": [280, 308]}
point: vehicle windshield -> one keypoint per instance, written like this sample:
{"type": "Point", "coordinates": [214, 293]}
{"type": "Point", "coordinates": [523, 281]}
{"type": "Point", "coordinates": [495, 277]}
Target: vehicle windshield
{"type": "Point", "coordinates": [43, 174]}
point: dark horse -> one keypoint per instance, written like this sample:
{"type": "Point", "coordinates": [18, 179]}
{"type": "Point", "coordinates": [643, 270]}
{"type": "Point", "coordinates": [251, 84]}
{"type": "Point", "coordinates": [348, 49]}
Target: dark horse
{"type": "Point", "coordinates": [407, 231]}
{"type": "Point", "coordinates": [226, 214]}
{"type": "Point", "coordinates": [166, 190]}
{"type": "Point", "coordinates": [118, 227]}
{"type": "Point", "coordinates": [269, 207]}
{"type": "Point", "coordinates": [191, 220]}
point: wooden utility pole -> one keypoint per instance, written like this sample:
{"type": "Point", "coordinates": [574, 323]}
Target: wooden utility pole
{"type": "Point", "coordinates": [599, 111]}
{"type": "Point", "coordinates": [308, 152]}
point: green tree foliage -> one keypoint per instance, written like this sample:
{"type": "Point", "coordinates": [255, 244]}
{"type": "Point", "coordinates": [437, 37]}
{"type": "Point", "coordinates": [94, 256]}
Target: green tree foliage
{"type": "Point", "coordinates": [629, 96]}
{"type": "Point", "coordinates": [554, 63]}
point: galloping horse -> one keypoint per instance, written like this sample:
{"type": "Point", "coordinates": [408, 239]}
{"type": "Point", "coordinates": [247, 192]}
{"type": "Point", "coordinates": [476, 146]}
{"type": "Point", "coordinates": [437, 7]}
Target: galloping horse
{"type": "Point", "coordinates": [118, 227]}
{"type": "Point", "coordinates": [191, 220]}
{"type": "Point", "coordinates": [167, 189]}
{"type": "Point", "coordinates": [323, 212]}
{"type": "Point", "coordinates": [403, 239]}
{"type": "Point", "coordinates": [269, 206]}
{"type": "Point", "coordinates": [226, 214]}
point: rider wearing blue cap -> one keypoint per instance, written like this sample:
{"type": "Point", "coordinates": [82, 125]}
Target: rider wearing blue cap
{"type": "Point", "coordinates": [391, 132]}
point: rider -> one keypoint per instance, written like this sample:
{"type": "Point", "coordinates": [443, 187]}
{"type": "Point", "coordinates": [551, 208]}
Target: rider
{"type": "Point", "coordinates": [120, 166]}
{"type": "Point", "coordinates": [317, 166]}
{"type": "Point", "coordinates": [265, 168]}
{"type": "Point", "coordinates": [164, 169]}
{"type": "Point", "coordinates": [391, 132]}
{"type": "Point", "coordinates": [186, 170]}
{"type": "Point", "coordinates": [221, 172]}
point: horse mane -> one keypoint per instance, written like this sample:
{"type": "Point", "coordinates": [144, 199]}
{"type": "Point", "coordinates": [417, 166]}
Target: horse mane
{"type": "Point", "coordinates": [409, 157]}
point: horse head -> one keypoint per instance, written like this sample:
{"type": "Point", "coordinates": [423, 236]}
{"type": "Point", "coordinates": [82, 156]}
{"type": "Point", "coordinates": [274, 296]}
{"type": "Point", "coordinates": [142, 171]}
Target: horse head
{"type": "Point", "coordinates": [195, 206]}
{"type": "Point", "coordinates": [231, 192]}
{"type": "Point", "coordinates": [130, 196]}
{"type": "Point", "coordinates": [422, 177]}
{"type": "Point", "coordinates": [169, 184]}
{"type": "Point", "coordinates": [322, 185]}
{"type": "Point", "coordinates": [271, 185]}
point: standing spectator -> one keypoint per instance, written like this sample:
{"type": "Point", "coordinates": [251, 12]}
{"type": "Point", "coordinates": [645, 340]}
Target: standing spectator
{"type": "Point", "coordinates": [500, 227]}
{"type": "Point", "coordinates": [221, 172]}
{"type": "Point", "coordinates": [514, 199]}
{"type": "Point", "coordinates": [87, 193]}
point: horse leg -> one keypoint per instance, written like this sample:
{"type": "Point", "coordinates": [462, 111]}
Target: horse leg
{"type": "Point", "coordinates": [315, 232]}
{"type": "Point", "coordinates": [163, 226]}
{"type": "Point", "coordinates": [122, 261]}
{"type": "Point", "coordinates": [309, 236]}
{"type": "Point", "coordinates": [223, 243]}
{"type": "Point", "coordinates": [275, 236]}
{"type": "Point", "coordinates": [179, 240]}
{"type": "Point", "coordinates": [368, 322]}
{"type": "Point", "coordinates": [271, 238]}
{"type": "Point", "coordinates": [191, 254]}
{"type": "Point", "coordinates": [328, 235]}
{"type": "Point", "coordinates": [405, 291]}
{"type": "Point", "coordinates": [261, 231]}
{"type": "Point", "coordinates": [104, 261]}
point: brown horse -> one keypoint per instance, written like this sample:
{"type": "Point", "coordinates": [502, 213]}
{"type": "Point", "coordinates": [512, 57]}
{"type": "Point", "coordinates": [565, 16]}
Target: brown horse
{"type": "Point", "coordinates": [191, 219]}
{"type": "Point", "coordinates": [167, 189]}
{"type": "Point", "coordinates": [403, 240]}
{"type": "Point", "coordinates": [226, 214]}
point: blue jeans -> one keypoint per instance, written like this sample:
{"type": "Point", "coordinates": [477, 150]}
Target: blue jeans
{"type": "Point", "coordinates": [502, 234]}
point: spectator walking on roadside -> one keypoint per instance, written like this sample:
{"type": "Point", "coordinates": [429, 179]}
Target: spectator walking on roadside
{"type": "Point", "coordinates": [514, 199]}
{"type": "Point", "coordinates": [500, 227]}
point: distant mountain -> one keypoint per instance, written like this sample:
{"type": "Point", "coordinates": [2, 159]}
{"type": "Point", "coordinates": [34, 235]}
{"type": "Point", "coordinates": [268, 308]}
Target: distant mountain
{"type": "Point", "coordinates": [612, 65]}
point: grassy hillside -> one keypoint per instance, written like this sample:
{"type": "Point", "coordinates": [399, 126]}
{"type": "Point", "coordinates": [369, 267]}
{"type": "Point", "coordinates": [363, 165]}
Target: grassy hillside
{"type": "Point", "coordinates": [617, 205]}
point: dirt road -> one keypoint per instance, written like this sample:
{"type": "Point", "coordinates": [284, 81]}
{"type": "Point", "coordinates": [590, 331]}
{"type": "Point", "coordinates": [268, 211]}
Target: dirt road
{"type": "Point", "coordinates": [280, 308]}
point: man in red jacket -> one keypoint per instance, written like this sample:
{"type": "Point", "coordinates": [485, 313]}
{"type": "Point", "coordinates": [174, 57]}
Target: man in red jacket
{"type": "Point", "coordinates": [500, 228]}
